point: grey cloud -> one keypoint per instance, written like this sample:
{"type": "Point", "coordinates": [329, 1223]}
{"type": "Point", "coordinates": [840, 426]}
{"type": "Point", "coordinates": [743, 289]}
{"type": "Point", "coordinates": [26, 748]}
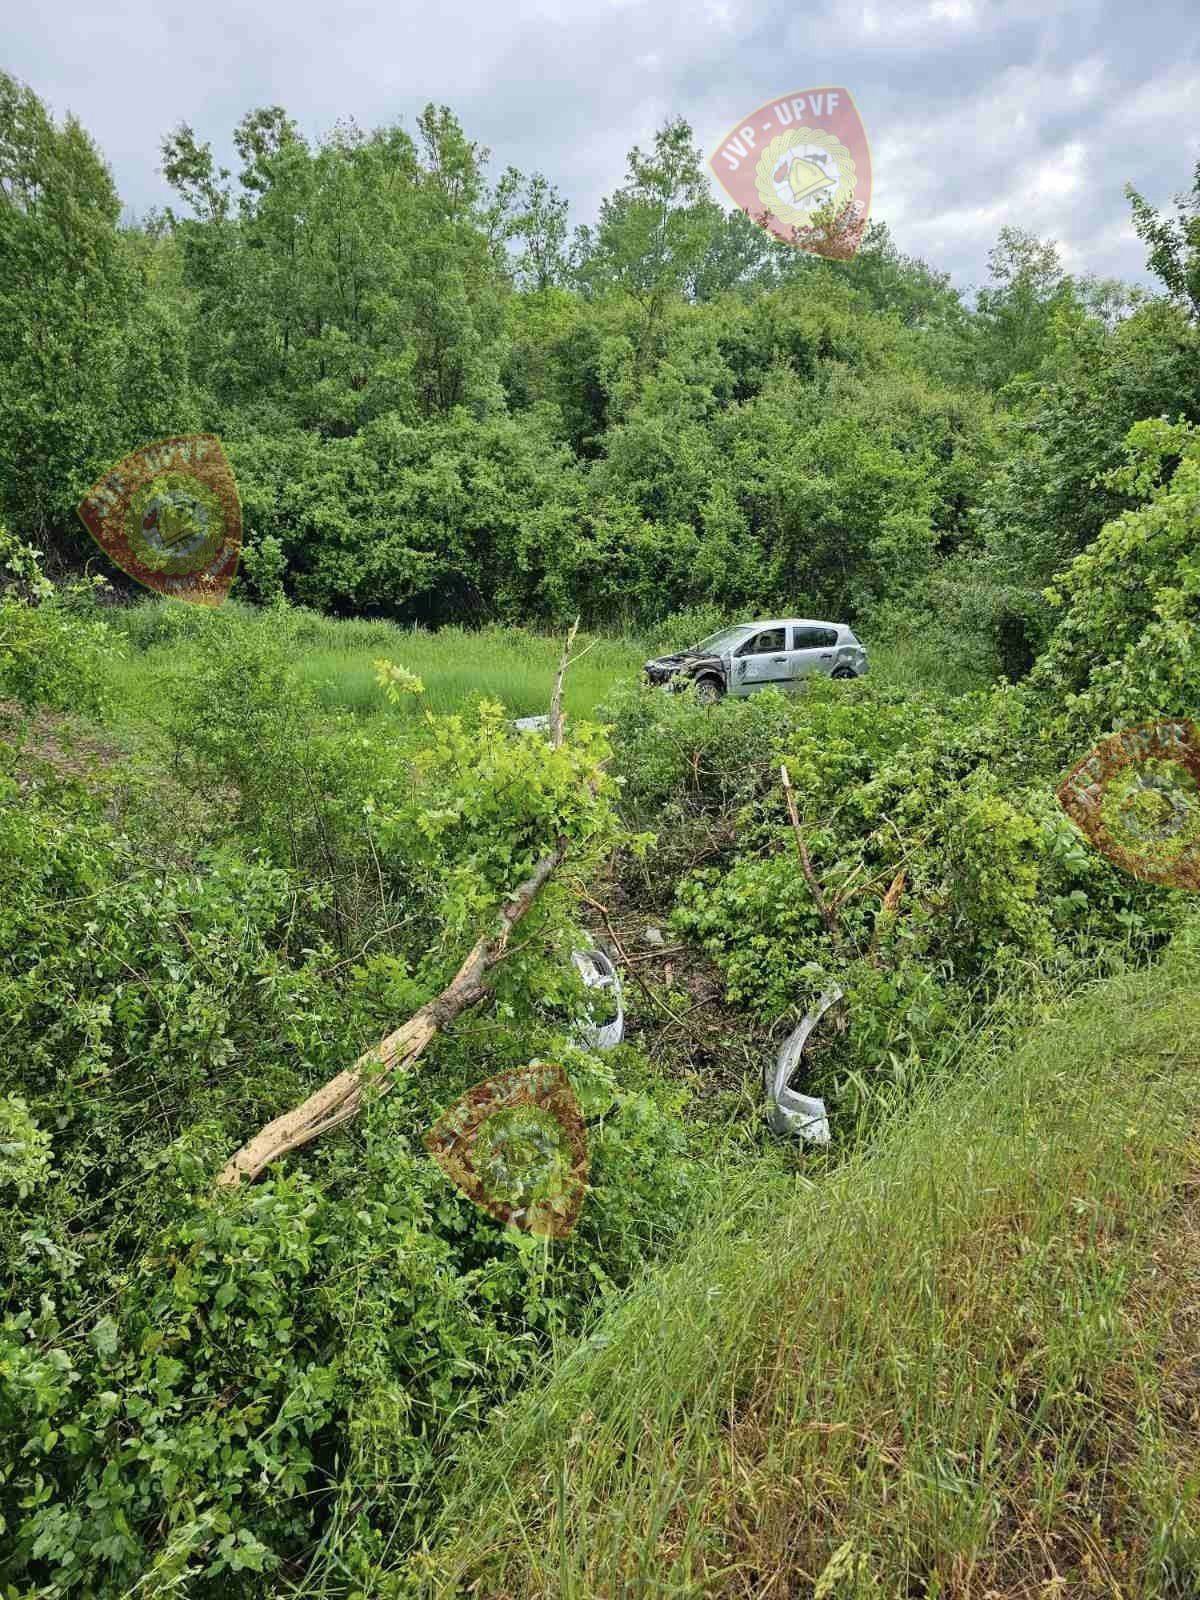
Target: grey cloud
{"type": "Point", "coordinates": [980, 112]}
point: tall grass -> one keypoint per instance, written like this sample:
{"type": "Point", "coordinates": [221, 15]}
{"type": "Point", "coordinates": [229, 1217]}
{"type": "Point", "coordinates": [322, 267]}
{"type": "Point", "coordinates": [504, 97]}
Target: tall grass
{"type": "Point", "coordinates": [336, 658]}
{"type": "Point", "coordinates": [516, 666]}
{"type": "Point", "coordinates": [939, 1372]}
{"type": "Point", "coordinates": [460, 667]}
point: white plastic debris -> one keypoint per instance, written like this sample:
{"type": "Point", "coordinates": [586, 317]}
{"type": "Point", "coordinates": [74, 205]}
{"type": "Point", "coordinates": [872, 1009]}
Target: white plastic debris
{"type": "Point", "coordinates": [787, 1110]}
{"type": "Point", "coordinates": [598, 972]}
{"type": "Point", "coordinates": [653, 935]}
{"type": "Point", "coordinates": [531, 724]}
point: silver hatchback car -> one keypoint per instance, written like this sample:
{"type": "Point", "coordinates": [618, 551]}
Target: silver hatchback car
{"type": "Point", "coordinates": [761, 655]}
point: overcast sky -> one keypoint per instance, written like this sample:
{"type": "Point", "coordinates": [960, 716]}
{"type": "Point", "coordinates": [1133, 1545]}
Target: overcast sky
{"type": "Point", "coordinates": [979, 112]}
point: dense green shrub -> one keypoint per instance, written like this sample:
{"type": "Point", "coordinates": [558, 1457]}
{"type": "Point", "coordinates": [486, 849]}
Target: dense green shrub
{"type": "Point", "coordinates": [678, 753]}
{"type": "Point", "coordinates": [55, 650]}
{"type": "Point", "coordinates": [187, 1379]}
{"type": "Point", "coordinates": [687, 627]}
{"type": "Point", "coordinates": [235, 1393]}
{"type": "Point", "coordinates": [24, 1147]}
{"type": "Point", "coordinates": [195, 1385]}
{"type": "Point", "coordinates": [1053, 491]}
{"type": "Point", "coordinates": [998, 896]}
{"type": "Point", "coordinates": [1125, 647]}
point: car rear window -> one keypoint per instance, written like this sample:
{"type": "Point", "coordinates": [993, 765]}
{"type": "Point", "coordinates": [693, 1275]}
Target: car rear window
{"type": "Point", "coordinates": [813, 638]}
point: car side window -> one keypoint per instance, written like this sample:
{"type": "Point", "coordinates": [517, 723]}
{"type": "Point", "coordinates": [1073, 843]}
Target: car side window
{"type": "Point", "coordinates": [813, 638]}
{"type": "Point", "coordinates": [763, 643]}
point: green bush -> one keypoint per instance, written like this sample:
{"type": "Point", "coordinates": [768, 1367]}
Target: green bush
{"type": "Point", "coordinates": [191, 1383]}
{"type": "Point", "coordinates": [55, 650]}
{"type": "Point", "coordinates": [195, 1383]}
{"type": "Point", "coordinates": [24, 1148]}
{"type": "Point", "coordinates": [999, 893]}
{"type": "Point", "coordinates": [1125, 650]}
{"type": "Point", "coordinates": [684, 628]}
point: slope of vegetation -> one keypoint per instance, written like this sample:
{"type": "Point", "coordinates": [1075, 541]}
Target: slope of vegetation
{"type": "Point", "coordinates": [961, 1364]}
{"type": "Point", "coordinates": [210, 918]}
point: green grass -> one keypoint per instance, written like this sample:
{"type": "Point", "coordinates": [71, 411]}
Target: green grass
{"type": "Point", "coordinates": [336, 658]}
{"type": "Point", "coordinates": [919, 665]}
{"type": "Point", "coordinates": [459, 668]}
{"type": "Point", "coordinates": [947, 1369]}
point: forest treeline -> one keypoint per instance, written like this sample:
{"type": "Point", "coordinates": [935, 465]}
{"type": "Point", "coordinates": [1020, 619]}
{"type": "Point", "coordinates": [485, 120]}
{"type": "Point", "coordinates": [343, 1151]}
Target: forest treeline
{"type": "Point", "coordinates": [443, 403]}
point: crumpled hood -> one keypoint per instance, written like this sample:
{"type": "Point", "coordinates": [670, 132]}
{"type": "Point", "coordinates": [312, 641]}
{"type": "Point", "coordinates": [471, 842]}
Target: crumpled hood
{"type": "Point", "coordinates": [681, 661]}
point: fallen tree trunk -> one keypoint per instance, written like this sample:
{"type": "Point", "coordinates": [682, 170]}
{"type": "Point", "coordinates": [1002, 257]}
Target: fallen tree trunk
{"type": "Point", "coordinates": [340, 1099]}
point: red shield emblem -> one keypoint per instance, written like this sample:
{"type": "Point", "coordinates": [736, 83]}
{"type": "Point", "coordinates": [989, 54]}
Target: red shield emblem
{"type": "Point", "coordinates": [1137, 798]}
{"type": "Point", "coordinates": [516, 1146]}
{"type": "Point", "coordinates": [169, 516]}
{"type": "Point", "coordinates": [800, 167]}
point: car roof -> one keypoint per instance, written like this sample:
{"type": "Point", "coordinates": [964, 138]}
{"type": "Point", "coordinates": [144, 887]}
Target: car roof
{"type": "Point", "coordinates": [794, 622]}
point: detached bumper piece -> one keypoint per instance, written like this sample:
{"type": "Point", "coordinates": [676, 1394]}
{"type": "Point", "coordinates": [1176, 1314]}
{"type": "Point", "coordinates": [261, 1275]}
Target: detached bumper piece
{"type": "Point", "coordinates": [598, 973]}
{"type": "Point", "coordinates": [789, 1112]}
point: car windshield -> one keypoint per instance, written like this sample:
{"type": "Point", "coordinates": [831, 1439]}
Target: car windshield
{"type": "Point", "coordinates": [727, 639]}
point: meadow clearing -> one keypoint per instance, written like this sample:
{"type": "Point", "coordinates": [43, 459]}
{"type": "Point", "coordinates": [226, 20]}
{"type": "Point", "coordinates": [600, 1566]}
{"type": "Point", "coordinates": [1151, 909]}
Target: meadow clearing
{"type": "Point", "coordinates": [335, 658]}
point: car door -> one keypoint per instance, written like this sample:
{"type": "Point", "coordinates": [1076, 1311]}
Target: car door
{"type": "Point", "coordinates": [761, 662]}
{"type": "Point", "coordinates": [813, 649]}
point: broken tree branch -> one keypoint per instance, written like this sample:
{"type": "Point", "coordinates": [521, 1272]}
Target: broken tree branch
{"type": "Point", "coordinates": [341, 1098]}
{"type": "Point", "coordinates": [556, 713]}
{"type": "Point", "coordinates": [886, 915]}
{"type": "Point", "coordinates": [806, 866]}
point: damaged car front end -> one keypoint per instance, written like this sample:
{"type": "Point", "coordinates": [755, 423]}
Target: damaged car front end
{"type": "Point", "coordinates": [706, 664]}
{"type": "Point", "coordinates": [677, 671]}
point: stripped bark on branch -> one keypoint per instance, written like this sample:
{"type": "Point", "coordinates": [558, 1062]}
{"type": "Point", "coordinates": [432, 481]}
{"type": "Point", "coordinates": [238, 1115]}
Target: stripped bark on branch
{"type": "Point", "coordinates": [556, 711]}
{"type": "Point", "coordinates": [828, 916]}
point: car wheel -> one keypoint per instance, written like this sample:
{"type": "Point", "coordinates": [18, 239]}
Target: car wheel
{"type": "Point", "coordinates": [844, 672]}
{"type": "Point", "coordinates": [709, 690]}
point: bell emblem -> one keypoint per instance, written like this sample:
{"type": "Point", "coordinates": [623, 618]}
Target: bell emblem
{"type": "Point", "coordinates": [805, 179]}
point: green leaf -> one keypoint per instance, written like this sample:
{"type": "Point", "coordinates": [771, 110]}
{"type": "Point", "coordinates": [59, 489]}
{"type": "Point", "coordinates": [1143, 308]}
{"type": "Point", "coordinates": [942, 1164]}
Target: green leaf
{"type": "Point", "coordinates": [104, 1336]}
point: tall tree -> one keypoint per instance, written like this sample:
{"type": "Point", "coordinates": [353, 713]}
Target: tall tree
{"type": "Point", "coordinates": [1052, 493]}
{"type": "Point", "coordinates": [654, 233]}
{"type": "Point", "coordinates": [81, 371]}
{"type": "Point", "coordinates": [1173, 243]}
{"type": "Point", "coordinates": [541, 225]}
{"type": "Point", "coordinates": [347, 278]}
{"type": "Point", "coordinates": [1015, 315]}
